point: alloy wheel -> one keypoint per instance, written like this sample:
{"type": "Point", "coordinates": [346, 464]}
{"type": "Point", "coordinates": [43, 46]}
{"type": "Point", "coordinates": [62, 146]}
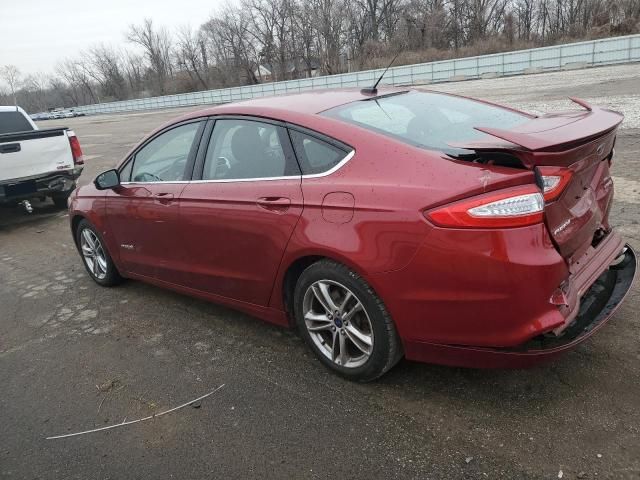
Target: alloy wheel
{"type": "Point", "coordinates": [93, 253]}
{"type": "Point", "coordinates": [338, 323]}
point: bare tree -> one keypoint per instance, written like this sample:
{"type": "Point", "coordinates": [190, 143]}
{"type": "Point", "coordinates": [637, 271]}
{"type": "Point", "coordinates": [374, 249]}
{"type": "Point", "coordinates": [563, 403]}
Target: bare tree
{"type": "Point", "coordinates": [380, 16]}
{"type": "Point", "coordinates": [230, 43]}
{"type": "Point", "coordinates": [157, 44]}
{"type": "Point", "coordinates": [12, 76]}
{"type": "Point", "coordinates": [484, 16]}
{"type": "Point", "coordinates": [525, 15]}
{"type": "Point", "coordinates": [272, 23]}
{"type": "Point", "coordinates": [36, 88]}
{"type": "Point", "coordinates": [105, 66]}
{"type": "Point", "coordinates": [76, 73]}
{"type": "Point", "coordinates": [133, 66]}
{"type": "Point", "coordinates": [293, 38]}
{"type": "Point", "coordinates": [328, 24]}
{"type": "Point", "coordinates": [426, 24]}
{"type": "Point", "coordinates": [192, 57]}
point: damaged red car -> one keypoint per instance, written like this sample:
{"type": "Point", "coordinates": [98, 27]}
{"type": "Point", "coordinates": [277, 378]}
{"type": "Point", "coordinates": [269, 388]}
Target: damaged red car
{"type": "Point", "coordinates": [381, 224]}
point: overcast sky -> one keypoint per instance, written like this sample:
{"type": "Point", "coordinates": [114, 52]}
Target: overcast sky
{"type": "Point", "coordinates": [36, 34]}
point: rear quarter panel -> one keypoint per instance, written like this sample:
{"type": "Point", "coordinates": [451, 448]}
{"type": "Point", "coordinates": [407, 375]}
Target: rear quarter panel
{"type": "Point", "coordinates": [392, 184]}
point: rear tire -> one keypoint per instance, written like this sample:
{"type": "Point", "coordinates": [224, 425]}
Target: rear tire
{"type": "Point", "coordinates": [344, 322]}
{"type": "Point", "coordinates": [95, 257]}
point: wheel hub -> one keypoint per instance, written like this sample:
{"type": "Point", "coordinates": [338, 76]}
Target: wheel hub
{"type": "Point", "coordinates": [338, 323]}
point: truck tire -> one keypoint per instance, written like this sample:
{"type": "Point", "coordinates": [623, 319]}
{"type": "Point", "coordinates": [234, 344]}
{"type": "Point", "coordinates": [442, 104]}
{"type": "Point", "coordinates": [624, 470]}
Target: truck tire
{"type": "Point", "coordinates": [60, 199]}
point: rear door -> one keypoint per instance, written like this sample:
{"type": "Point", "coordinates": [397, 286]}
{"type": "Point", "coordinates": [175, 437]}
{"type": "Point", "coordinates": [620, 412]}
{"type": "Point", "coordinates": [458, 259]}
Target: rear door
{"type": "Point", "coordinates": [237, 219]}
{"type": "Point", "coordinates": [143, 212]}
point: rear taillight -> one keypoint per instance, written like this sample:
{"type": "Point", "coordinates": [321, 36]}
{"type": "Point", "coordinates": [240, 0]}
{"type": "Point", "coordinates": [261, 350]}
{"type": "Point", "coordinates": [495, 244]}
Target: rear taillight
{"type": "Point", "coordinates": [513, 207]}
{"type": "Point", "coordinates": [76, 151]}
{"type": "Point", "coordinates": [554, 180]}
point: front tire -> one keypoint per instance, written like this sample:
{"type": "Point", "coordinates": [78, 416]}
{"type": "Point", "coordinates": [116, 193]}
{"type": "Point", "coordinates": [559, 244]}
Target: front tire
{"type": "Point", "coordinates": [344, 322]}
{"type": "Point", "coordinates": [95, 257]}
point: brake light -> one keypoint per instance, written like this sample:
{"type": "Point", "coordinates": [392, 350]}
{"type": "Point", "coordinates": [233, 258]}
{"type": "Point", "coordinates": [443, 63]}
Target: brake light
{"type": "Point", "coordinates": [554, 180]}
{"type": "Point", "coordinates": [513, 207]}
{"type": "Point", "coordinates": [76, 151]}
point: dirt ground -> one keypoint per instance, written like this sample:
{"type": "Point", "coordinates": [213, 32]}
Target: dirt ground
{"type": "Point", "coordinates": [74, 356]}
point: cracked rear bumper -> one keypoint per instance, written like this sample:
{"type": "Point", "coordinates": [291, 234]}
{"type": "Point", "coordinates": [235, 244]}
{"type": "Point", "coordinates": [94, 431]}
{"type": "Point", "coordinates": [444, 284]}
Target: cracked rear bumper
{"type": "Point", "coordinates": [597, 305]}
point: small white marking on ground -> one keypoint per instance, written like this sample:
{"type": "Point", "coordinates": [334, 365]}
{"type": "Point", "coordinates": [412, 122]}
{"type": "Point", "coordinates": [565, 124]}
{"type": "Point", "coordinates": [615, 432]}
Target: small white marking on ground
{"type": "Point", "coordinates": [87, 315]}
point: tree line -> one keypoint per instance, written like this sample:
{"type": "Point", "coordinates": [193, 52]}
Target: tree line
{"type": "Point", "coordinates": [271, 40]}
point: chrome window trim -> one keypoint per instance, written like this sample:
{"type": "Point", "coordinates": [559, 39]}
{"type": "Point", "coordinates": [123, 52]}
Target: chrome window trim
{"type": "Point", "coordinates": [333, 169]}
{"type": "Point", "coordinates": [234, 180]}
{"type": "Point", "coordinates": [154, 183]}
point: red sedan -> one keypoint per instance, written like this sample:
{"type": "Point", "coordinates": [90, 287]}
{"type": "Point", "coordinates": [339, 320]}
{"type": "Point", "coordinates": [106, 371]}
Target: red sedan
{"type": "Point", "coordinates": [381, 224]}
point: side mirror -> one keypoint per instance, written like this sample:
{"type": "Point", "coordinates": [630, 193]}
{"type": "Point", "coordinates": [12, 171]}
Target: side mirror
{"type": "Point", "coordinates": [107, 180]}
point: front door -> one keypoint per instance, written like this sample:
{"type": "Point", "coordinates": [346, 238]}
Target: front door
{"type": "Point", "coordinates": [237, 220]}
{"type": "Point", "coordinates": [143, 212]}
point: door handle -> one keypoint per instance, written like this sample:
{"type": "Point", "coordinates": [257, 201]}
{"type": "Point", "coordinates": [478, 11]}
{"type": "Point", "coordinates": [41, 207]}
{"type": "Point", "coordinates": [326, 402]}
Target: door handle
{"type": "Point", "coordinates": [164, 197]}
{"type": "Point", "coordinates": [10, 148]}
{"type": "Point", "coordinates": [274, 204]}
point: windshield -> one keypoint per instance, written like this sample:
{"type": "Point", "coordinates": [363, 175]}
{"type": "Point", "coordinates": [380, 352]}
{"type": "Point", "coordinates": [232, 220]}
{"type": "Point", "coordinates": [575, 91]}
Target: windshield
{"type": "Point", "coordinates": [425, 119]}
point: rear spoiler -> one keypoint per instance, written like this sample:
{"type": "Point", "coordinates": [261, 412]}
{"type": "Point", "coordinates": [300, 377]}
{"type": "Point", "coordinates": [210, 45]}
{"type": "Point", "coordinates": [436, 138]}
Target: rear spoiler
{"type": "Point", "coordinates": [548, 131]}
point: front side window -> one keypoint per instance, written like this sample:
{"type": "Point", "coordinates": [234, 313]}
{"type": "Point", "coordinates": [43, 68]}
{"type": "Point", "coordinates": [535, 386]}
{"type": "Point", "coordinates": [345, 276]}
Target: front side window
{"type": "Point", "coordinates": [425, 119]}
{"type": "Point", "coordinates": [125, 172]}
{"type": "Point", "coordinates": [164, 158]}
{"type": "Point", "coordinates": [315, 156]}
{"type": "Point", "coordinates": [247, 149]}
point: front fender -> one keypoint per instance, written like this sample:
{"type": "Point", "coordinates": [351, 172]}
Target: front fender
{"type": "Point", "coordinates": [89, 203]}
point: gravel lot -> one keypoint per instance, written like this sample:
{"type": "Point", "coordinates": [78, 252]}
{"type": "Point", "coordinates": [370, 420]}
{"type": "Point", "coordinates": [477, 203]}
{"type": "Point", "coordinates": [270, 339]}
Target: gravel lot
{"type": "Point", "coordinates": [74, 356]}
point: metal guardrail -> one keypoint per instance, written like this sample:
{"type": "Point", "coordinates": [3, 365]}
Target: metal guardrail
{"type": "Point", "coordinates": [607, 51]}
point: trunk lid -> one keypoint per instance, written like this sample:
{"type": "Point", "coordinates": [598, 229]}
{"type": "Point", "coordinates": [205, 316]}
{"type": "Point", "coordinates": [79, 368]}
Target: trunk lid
{"type": "Point", "coordinates": [580, 144]}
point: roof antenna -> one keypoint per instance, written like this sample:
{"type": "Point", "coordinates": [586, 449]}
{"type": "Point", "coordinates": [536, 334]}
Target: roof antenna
{"type": "Point", "coordinates": [374, 90]}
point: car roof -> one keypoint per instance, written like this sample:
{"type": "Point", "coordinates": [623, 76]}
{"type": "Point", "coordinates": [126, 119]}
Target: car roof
{"type": "Point", "coordinates": [307, 103]}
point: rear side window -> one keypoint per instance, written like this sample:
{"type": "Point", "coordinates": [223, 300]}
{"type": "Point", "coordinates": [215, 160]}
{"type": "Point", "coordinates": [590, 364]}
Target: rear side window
{"type": "Point", "coordinates": [425, 119]}
{"type": "Point", "coordinates": [11, 122]}
{"type": "Point", "coordinates": [315, 156]}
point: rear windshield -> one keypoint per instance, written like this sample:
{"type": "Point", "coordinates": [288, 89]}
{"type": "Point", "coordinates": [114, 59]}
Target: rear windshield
{"type": "Point", "coordinates": [425, 119]}
{"type": "Point", "coordinates": [11, 122]}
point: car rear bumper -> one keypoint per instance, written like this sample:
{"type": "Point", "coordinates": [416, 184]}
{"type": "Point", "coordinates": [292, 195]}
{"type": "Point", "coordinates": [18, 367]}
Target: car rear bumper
{"type": "Point", "coordinates": [46, 184]}
{"type": "Point", "coordinates": [596, 306]}
{"type": "Point", "coordinates": [468, 294]}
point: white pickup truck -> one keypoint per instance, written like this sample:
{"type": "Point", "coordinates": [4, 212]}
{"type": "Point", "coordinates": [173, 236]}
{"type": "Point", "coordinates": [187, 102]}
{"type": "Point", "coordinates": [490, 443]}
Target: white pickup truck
{"type": "Point", "coordinates": [36, 163]}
